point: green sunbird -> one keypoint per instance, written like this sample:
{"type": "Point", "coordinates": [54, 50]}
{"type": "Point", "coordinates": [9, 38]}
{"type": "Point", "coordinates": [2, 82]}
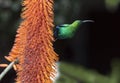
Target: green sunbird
{"type": "Point", "coordinates": [66, 31]}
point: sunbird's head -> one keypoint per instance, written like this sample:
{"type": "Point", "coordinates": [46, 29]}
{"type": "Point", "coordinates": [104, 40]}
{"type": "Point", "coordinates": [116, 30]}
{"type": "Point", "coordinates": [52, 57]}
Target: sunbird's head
{"type": "Point", "coordinates": [79, 22]}
{"type": "Point", "coordinates": [76, 23]}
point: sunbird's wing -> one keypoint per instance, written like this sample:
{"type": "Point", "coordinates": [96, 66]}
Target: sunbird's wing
{"type": "Point", "coordinates": [56, 31]}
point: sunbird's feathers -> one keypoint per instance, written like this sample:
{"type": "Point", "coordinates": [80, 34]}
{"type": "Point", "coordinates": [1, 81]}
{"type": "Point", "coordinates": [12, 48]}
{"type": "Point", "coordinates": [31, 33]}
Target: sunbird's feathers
{"type": "Point", "coordinates": [66, 31]}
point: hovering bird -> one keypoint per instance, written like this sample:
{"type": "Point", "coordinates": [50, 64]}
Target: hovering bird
{"type": "Point", "coordinates": [66, 31]}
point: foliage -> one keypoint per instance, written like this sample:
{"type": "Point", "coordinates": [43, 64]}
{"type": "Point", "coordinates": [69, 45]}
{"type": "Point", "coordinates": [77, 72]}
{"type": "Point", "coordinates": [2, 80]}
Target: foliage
{"type": "Point", "coordinates": [112, 5]}
{"type": "Point", "coordinates": [72, 73]}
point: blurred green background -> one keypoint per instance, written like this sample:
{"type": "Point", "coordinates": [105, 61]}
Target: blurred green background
{"type": "Point", "coordinates": [91, 56]}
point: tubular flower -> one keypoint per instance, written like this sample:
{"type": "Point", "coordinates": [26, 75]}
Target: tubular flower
{"type": "Point", "coordinates": [33, 44]}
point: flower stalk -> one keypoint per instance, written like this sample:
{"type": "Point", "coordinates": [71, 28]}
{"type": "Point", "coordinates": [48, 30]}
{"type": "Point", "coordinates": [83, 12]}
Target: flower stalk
{"type": "Point", "coordinates": [33, 44]}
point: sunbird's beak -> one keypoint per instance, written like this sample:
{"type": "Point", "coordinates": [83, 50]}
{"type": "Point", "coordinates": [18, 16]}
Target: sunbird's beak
{"type": "Point", "coordinates": [84, 21]}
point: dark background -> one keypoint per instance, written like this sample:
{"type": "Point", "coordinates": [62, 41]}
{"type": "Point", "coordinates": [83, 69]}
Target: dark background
{"type": "Point", "coordinates": [94, 46]}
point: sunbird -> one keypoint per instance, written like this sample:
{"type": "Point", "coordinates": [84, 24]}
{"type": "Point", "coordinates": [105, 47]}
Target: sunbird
{"type": "Point", "coordinates": [66, 31]}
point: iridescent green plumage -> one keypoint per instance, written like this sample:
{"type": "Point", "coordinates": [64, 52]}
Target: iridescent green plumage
{"type": "Point", "coordinates": [68, 30]}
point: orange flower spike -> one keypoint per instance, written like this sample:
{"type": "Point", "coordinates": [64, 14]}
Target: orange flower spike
{"type": "Point", "coordinates": [33, 44]}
